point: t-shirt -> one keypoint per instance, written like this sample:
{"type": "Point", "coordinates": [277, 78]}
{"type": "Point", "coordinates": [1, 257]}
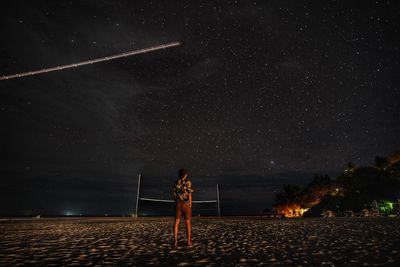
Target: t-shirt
{"type": "Point", "coordinates": [182, 189]}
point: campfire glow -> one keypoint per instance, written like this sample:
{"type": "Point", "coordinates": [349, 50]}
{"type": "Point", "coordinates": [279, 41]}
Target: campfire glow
{"type": "Point", "coordinates": [297, 209]}
{"type": "Point", "coordinates": [293, 210]}
{"type": "Point", "coordinates": [294, 202]}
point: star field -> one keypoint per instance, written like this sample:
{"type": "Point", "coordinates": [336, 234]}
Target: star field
{"type": "Point", "coordinates": [257, 89]}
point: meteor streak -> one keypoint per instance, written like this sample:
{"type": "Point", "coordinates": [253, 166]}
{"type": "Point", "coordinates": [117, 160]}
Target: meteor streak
{"type": "Point", "coordinates": [92, 61]}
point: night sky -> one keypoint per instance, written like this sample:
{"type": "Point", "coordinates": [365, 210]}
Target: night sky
{"type": "Point", "coordinates": [258, 94]}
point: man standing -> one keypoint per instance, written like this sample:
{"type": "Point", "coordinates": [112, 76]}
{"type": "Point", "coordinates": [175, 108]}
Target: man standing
{"type": "Point", "coordinates": [183, 204]}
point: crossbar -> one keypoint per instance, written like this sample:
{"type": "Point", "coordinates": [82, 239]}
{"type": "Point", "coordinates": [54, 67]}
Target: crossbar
{"type": "Point", "coordinates": [172, 201]}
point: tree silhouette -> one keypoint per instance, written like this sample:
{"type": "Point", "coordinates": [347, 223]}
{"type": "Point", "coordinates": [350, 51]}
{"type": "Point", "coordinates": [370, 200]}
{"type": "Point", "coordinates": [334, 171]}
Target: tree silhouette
{"type": "Point", "coordinates": [355, 189]}
{"type": "Point", "coordinates": [290, 194]}
{"type": "Point", "coordinates": [381, 162]}
{"type": "Point", "coordinates": [350, 168]}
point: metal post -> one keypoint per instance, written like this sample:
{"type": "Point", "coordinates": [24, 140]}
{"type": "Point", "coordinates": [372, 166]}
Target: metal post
{"type": "Point", "coordinates": [219, 208]}
{"type": "Point", "coordinates": [137, 197]}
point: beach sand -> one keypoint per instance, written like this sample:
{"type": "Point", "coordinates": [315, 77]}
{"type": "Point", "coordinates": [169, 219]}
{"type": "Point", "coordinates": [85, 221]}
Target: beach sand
{"type": "Point", "coordinates": [233, 241]}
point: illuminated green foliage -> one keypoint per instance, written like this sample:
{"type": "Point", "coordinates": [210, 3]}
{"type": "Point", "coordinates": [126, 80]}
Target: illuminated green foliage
{"type": "Point", "coordinates": [386, 206]}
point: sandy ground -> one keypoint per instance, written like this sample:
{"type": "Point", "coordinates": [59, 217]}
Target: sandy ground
{"type": "Point", "coordinates": [216, 242]}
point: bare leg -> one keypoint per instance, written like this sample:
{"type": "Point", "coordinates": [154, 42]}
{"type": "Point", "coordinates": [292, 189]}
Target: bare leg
{"type": "Point", "coordinates": [188, 229]}
{"type": "Point", "coordinates": [176, 225]}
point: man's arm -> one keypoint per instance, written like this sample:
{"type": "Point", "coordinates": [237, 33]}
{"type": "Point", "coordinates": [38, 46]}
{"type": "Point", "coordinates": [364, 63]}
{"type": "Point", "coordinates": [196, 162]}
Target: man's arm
{"type": "Point", "coordinates": [190, 200]}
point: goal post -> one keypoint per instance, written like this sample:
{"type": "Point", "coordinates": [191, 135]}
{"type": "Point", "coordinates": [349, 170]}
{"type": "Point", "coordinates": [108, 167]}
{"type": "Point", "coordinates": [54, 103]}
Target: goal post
{"type": "Point", "coordinates": [139, 198]}
{"type": "Point", "coordinates": [218, 203]}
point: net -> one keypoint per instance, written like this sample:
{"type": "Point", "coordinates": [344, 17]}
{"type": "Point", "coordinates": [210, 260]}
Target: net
{"type": "Point", "coordinates": [147, 206]}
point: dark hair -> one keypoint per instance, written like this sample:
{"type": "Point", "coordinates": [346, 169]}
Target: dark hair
{"type": "Point", "coordinates": [182, 172]}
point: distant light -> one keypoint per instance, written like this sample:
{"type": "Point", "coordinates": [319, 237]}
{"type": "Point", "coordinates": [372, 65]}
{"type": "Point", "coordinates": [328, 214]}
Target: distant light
{"type": "Point", "coordinates": [71, 213]}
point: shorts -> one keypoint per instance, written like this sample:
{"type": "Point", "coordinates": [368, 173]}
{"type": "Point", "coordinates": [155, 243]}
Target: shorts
{"type": "Point", "coordinates": [183, 207]}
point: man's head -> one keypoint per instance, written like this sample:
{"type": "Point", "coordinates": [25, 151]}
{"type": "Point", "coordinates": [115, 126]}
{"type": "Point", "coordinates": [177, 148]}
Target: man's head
{"type": "Point", "coordinates": [182, 173]}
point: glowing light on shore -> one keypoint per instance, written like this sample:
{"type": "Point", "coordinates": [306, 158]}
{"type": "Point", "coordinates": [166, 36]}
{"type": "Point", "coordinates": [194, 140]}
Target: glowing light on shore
{"type": "Point", "coordinates": [293, 210]}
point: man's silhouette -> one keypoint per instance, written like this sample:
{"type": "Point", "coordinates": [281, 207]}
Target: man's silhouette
{"type": "Point", "coordinates": [183, 204]}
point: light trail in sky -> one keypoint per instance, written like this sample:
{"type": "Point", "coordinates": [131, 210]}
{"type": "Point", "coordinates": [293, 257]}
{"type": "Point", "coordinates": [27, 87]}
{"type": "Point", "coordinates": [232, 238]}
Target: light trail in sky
{"type": "Point", "coordinates": [92, 61]}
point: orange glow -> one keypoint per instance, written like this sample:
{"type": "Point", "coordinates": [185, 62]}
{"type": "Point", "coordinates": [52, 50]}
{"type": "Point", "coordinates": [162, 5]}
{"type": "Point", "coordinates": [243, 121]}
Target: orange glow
{"type": "Point", "coordinates": [293, 210]}
{"type": "Point", "coordinates": [296, 209]}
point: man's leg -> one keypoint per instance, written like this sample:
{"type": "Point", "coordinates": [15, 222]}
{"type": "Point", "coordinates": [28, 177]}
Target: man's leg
{"type": "Point", "coordinates": [176, 225]}
{"type": "Point", "coordinates": [188, 229]}
{"type": "Point", "coordinates": [178, 214]}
